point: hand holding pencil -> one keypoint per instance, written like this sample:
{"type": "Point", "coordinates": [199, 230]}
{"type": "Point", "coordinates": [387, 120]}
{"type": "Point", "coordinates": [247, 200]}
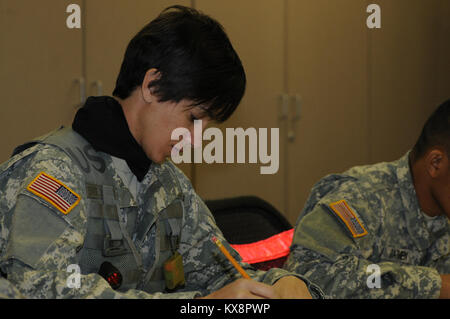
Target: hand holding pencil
{"type": "Point", "coordinates": [246, 288]}
{"type": "Point", "coordinates": [230, 258]}
{"type": "Point", "coordinates": [242, 288]}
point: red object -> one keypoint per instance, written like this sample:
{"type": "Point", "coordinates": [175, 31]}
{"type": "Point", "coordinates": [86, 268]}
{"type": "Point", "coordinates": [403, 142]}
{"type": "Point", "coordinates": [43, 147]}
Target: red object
{"type": "Point", "coordinates": [271, 248]}
{"type": "Point", "coordinates": [114, 279]}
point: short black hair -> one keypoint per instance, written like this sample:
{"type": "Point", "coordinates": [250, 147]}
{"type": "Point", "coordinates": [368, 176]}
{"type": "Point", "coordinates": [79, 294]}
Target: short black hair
{"type": "Point", "coordinates": [195, 58]}
{"type": "Point", "coordinates": [436, 132]}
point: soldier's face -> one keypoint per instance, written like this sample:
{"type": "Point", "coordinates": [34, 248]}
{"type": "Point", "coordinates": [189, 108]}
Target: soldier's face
{"type": "Point", "coordinates": [443, 194]}
{"type": "Point", "coordinates": [441, 188]}
{"type": "Point", "coordinates": [157, 121]}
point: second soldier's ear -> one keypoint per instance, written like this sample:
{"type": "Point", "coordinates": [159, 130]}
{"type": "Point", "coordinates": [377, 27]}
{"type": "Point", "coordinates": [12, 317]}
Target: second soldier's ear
{"type": "Point", "coordinates": [437, 163]}
{"type": "Point", "coordinates": [147, 91]}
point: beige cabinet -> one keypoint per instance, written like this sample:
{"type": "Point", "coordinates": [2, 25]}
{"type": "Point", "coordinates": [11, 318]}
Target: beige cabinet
{"type": "Point", "coordinates": [406, 57]}
{"type": "Point", "coordinates": [443, 53]}
{"type": "Point", "coordinates": [327, 58]}
{"type": "Point", "coordinates": [40, 61]}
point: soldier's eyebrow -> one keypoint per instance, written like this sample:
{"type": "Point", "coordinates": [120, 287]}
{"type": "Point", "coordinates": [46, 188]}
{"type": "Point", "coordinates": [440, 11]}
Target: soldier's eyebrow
{"type": "Point", "coordinates": [204, 112]}
{"type": "Point", "coordinates": [201, 111]}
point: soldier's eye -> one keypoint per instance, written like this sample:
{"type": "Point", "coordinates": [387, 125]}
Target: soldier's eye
{"type": "Point", "coordinates": [193, 117]}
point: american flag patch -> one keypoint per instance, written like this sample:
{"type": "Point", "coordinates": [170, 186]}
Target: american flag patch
{"type": "Point", "coordinates": [54, 192]}
{"type": "Point", "coordinates": [345, 213]}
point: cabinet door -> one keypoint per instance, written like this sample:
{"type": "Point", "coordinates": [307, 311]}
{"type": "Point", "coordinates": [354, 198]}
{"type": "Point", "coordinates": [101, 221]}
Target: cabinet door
{"type": "Point", "coordinates": [443, 61]}
{"type": "Point", "coordinates": [327, 59]}
{"type": "Point", "coordinates": [255, 29]}
{"type": "Point", "coordinates": [404, 56]}
{"type": "Point", "coordinates": [110, 26]}
{"type": "Point", "coordinates": [40, 58]}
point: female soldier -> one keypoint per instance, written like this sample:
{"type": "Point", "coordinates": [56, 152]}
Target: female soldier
{"type": "Point", "coordinates": [101, 198]}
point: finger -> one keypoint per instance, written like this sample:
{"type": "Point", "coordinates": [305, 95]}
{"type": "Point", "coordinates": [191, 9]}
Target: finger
{"type": "Point", "coordinates": [261, 290]}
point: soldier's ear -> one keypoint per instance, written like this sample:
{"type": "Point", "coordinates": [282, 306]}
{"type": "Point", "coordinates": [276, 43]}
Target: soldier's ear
{"type": "Point", "coordinates": [436, 161]}
{"type": "Point", "coordinates": [146, 91]}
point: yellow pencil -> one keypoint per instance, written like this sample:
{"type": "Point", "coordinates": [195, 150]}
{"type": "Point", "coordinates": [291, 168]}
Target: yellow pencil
{"type": "Point", "coordinates": [230, 258]}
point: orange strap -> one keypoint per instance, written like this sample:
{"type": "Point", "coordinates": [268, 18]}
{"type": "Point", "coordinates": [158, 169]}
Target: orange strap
{"type": "Point", "coordinates": [271, 248]}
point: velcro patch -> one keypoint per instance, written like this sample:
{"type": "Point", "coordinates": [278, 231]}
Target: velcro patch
{"type": "Point", "coordinates": [345, 213]}
{"type": "Point", "coordinates": [54, 192]}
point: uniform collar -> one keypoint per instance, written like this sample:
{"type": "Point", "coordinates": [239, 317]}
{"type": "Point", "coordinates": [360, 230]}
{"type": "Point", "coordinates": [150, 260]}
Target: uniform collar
{"type": "Point", "coordinates": [415, 221]}
{"type": "Point", "coordinates": [406, 185]}
{"type": "Point", "coordinates": [128, 178]}
{"type": "Point", "coordinates": [102, 123]}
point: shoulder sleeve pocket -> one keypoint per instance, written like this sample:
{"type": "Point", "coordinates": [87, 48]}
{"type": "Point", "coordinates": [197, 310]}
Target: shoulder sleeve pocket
{"type": "Point", "coordinates": [34, 227]}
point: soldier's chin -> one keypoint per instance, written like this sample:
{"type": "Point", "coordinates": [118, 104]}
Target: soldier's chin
{"type": "Point", "coordinates": [160, 160]}
{"type": "Point", "coordinates": [157, 159]}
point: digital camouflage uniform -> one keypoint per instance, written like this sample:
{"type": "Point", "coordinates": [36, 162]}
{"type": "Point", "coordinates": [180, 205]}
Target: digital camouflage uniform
{"type": "Point", "coordinates": [8, 291]}
{"type": "Point", "coordinates": [370, 215]}
{"type": "Point", "coordinates": [39, 241]}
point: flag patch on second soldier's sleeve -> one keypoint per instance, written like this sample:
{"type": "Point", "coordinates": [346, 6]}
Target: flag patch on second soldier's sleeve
{"type": "Point", "coordinates": [346, 214]}
{"type": "Point", "coordinates": [54, 192]}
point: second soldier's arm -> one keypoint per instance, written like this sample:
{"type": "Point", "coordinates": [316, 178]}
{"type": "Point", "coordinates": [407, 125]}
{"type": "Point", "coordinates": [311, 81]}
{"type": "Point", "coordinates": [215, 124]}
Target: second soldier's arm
{"type": "Point", "coordinates": [443, 266]}
{"type": "Point", "coordinates": [326, 254]}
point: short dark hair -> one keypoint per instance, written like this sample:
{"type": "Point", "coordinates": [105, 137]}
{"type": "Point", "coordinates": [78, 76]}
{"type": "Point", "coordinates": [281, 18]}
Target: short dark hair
{"type": "Point", "coordinates": [195, 59]}
{"type": "Point", "coordinates": [436, 132]}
